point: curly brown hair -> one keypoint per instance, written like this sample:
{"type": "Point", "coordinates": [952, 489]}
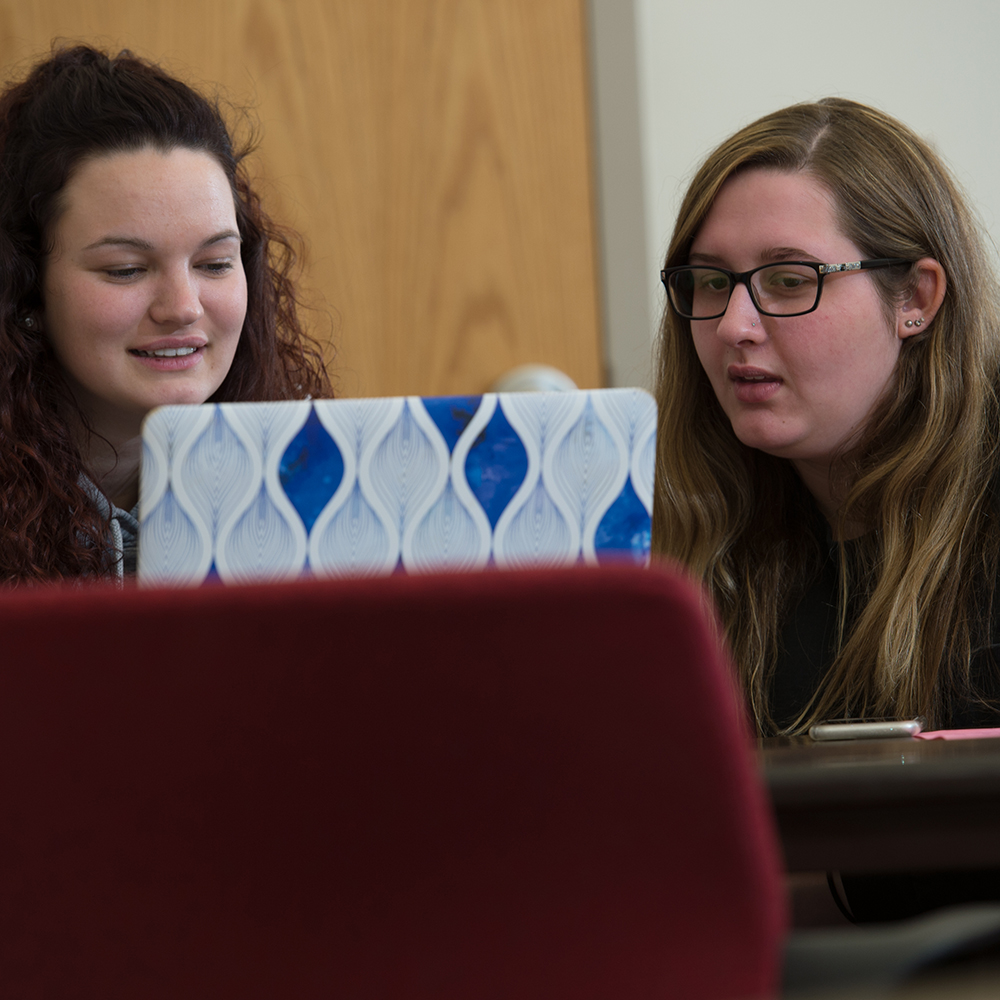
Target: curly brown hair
{"type": "Point", "coordinates": [80, 103]}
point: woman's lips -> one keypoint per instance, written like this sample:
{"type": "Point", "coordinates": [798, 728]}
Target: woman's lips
{"type": "Point", "coordinates": [752, 385]}
{"type": "Point", "coordinates": [166, 352]}
{"type": "Point", "coordinates": [174, 358]}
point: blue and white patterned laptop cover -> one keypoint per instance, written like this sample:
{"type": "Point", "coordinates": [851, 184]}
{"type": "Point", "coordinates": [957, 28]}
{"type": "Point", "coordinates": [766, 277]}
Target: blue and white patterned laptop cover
{"type": "Point", "coordinates": [240, 492]}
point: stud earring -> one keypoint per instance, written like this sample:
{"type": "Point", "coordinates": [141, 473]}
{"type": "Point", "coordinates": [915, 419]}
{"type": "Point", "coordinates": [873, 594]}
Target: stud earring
{"type": "Point", "coordinates": [919, 322]}
{"type": "Point", "coordinates": [28, 322]}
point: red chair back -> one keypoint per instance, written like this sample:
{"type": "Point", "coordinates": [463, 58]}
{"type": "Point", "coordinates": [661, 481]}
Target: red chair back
{"type": "Point", "coordinates": [519, 784]}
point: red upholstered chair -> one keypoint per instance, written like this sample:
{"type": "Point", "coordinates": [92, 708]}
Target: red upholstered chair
{"type": "Point", "coordinates": [501, 785]}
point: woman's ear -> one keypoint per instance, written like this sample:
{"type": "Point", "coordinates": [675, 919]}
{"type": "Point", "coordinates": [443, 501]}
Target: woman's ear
{"type": "Point", "coordinates": [920, 307]}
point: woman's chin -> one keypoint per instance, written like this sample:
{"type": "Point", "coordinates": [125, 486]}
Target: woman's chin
{"type": "Point", "coordinates": [772, 441]}
{"type": "Point", "coordinates": [181, 395]}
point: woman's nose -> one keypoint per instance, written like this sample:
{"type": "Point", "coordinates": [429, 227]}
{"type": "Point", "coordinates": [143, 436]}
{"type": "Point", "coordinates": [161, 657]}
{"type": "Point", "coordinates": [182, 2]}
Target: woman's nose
{"type": "Point", "coordinates": [741, 322]}
{"type": "Point", "coordinates": [177, 301]}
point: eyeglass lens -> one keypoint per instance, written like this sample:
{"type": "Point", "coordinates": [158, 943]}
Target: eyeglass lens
{"type": "Point", "coordinates": [779, 289]}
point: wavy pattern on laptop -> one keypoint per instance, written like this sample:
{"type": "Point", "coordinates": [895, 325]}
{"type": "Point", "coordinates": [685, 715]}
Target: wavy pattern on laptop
{"type": "Point", "coordinates": [367, 487]}
{"type": "Point", "coordinates": [447, 537]}
{"type": "Point", "coordinates": [537, 534]}
{"type": "Point", "coordinates": [311, 469]}
{"type": "Point", "coordinates": [408, 469]}
{"type": "Point", "coordinates": [623, 530]}
{"type": "Point", "coordinates": [644, 463]}
{"type": "Point", "coordinates": [538, 526]}
{"type": "Point", "coordinates": [353, 542]}
{"type": "Point", "coordinates": [219, 473]}
{"type": "Point", "coordinates": [490, 460]}
{"type": "Point", "coordinates": [264, 537]}
{"type": "Point", "coordinates": [176, 543]}
{"type": "Point", "coordinates": [351, 535]}
{"type": "Point", "coordinates": [448, 529]}
{"type": "Point", "coordinates": [173, 550]}
{"type": "Point", "coordinates": [589, 468]}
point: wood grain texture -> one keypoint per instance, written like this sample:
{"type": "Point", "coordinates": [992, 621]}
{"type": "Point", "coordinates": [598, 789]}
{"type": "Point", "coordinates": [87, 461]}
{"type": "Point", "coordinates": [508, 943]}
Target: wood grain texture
{"type": "Point", "coordinates": [435, 154]}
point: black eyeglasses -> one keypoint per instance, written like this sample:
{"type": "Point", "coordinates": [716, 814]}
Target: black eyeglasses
{"type": "Point", "coordinates": [787, 288]}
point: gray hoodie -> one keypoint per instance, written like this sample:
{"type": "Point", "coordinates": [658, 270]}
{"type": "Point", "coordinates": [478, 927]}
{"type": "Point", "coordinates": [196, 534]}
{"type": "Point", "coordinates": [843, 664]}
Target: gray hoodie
{"type": "Point", "coordinates": [123, 526]}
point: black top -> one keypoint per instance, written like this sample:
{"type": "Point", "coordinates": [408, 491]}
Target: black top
{"type": "Point", "coordinates": [808, 643]}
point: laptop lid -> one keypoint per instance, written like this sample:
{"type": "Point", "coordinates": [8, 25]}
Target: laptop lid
{"type": "Point", "coordinates": [242, 492]}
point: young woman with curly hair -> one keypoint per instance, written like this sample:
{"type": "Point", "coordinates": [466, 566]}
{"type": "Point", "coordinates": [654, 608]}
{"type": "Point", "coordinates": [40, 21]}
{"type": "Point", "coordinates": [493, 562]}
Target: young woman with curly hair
{"type": "Point", "coordinates": [137, 268]}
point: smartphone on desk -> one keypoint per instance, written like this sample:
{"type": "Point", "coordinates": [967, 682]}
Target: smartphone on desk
{"type": "Point", "coordinates": [860, 729]}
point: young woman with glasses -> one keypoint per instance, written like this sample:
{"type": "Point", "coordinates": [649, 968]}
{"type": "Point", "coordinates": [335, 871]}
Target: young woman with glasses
{"type": "Point", "coordinates": [827, 456]}
{"type": "Point", "coordinates": [137, 268]}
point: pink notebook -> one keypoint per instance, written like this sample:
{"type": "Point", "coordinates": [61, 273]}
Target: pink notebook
{"type": "Point", "coordinates": [958, 734]}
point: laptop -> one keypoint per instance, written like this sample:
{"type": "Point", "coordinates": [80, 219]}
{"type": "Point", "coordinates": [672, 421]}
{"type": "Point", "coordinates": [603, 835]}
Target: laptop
{"type": "Point", "coordinates": [242, 492]}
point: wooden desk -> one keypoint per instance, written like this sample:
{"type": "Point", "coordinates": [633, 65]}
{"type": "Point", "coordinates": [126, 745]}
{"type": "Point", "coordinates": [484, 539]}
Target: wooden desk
{"type": "Point", "coordinates": [885, 805]}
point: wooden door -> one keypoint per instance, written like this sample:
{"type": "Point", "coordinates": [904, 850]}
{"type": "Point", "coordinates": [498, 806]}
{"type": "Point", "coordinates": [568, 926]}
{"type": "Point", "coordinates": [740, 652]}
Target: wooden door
{"type": "Point", "coordinates": [435, 155]}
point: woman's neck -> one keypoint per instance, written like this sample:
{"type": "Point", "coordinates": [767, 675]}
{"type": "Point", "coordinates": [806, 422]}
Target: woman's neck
{"type": "Point", "coordinates": [828, 489]}
{"type": "Point", "coordinates": [115, 469]}
{"type": "Point", "coordinates": [111, 453]}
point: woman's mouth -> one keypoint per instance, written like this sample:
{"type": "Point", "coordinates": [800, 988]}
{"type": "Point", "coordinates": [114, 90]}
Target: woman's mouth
{"type": "Point", "coordinates": [753, 385]}
{"type": "Point", "coordinates": [165, 352]}
{"type": "Point", "coordinates": [169, 359]}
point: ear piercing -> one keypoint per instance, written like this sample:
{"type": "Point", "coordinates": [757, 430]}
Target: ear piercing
{"type": "Point", "coordinates": [910, 322]}
{"type": "Point", "coordinates": [28, 322]}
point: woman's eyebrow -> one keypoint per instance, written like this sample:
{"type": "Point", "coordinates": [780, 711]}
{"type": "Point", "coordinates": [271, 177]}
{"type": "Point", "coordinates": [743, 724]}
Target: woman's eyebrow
{"type": "Point", "coordinates": [120, 241]}
{"type": "Point", "coordinates": [770, 254]}
{"type": "Point", "coordinates": [706, 258]}
{"type": "Point", "coordinates": [226, 234]}
{"type": "Point", "coordinates": [138, 244]}
{"type": "Point", "coordinates": [788, 253]}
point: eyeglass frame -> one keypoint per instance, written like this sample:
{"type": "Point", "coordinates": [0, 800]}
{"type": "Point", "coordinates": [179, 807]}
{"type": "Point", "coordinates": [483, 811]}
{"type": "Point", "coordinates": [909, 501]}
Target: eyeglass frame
{"type": "Point", "coordinates": [822, 270]}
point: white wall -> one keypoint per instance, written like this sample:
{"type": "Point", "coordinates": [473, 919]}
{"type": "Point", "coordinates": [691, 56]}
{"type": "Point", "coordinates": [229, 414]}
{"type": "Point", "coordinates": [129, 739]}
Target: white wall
{"type": "Point", "coordinates": [621, 193]}
{"type": "Point", "coordinates": [707, 67]}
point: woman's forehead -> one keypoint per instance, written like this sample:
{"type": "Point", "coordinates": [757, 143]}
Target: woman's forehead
{"type": "Point", "coordinates": [767, 213]}
{"type": "Point", "coordinates": [144, 194]}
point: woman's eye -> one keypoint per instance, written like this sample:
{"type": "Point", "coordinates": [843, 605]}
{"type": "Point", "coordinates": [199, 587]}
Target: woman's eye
{"type": "Point", "coordinates": [217, 266]}
{"type": "Point", "coordinates": [714, 283]}
{"type": "Point", "coordinates": [123, 273]}
{"type": "Point", "coordinates": [789, 281]}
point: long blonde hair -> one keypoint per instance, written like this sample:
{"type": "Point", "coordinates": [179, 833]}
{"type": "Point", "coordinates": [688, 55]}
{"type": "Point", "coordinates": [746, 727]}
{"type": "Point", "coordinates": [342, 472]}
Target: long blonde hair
{"type": "Point", "coordinates": [921, 579]}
